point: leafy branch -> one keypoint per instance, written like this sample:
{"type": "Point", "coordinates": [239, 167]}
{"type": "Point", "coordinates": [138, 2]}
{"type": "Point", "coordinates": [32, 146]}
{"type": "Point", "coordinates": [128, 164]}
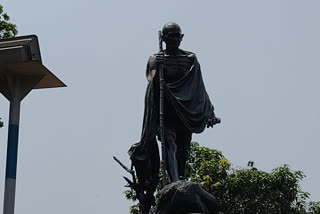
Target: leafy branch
{"type": "Point", "coordinates": [7, 29]}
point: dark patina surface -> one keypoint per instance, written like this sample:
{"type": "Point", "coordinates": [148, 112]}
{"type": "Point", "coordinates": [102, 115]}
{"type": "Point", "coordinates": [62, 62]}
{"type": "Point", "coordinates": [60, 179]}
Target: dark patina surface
{"type": "Point", "coordinates": [187, 110]}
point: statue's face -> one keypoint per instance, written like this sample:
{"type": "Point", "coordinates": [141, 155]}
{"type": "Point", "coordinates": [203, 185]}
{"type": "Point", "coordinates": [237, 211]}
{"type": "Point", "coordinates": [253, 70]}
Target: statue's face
{"type": "Point", "coordinates": [173, 39]}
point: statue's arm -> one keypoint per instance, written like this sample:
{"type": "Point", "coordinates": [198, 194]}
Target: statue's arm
{"type": "Point", "coordinates": [213, 120]}
{"type": "Point", "coordinates": [151, 68]}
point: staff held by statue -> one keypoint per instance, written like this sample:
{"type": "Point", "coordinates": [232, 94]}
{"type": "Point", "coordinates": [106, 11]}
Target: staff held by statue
{"type": "Point", "coordinates": [162, 138]}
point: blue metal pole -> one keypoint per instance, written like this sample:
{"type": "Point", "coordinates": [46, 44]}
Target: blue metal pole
{"type": "Point", "coordinates": [12, 152]}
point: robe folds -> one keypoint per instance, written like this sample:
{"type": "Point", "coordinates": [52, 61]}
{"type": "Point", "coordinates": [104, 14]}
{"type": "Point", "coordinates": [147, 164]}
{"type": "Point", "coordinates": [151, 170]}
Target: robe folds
{"type": "Point", "coordinates": [187, 96]}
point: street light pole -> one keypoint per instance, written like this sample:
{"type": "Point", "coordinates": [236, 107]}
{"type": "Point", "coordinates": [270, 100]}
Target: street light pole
{"type": "Point", "coordinates": [18, 87]}
{"type": "Point", "coordinates": [21, 71]}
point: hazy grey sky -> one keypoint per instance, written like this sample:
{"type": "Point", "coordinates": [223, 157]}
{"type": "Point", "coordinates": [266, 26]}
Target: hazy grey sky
{"type": "Point", "coordinates": [260, 61]}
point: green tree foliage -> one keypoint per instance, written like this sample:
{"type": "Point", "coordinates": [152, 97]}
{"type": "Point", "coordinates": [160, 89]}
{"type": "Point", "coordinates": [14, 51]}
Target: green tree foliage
{"type": "Point", "coordinates": [7, 29]}
{"type": "Point", "coordinates": [247, 190]}
{"type": "Point", "coordinates": [314, 207]}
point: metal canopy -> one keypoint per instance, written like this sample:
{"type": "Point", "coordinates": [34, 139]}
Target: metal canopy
{"type": "Point", "coordinates": [33, 73]}
{"type": "Point", "coordinates": [21, 67]}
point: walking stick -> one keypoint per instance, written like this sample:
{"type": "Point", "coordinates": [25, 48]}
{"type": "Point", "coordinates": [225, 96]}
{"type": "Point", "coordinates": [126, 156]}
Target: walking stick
{"type": "Point", "coordinates": [162, 139]}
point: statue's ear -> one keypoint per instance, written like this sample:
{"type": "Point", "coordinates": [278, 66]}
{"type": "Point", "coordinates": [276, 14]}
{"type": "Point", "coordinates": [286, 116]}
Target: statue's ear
{"type": "Point", "coordinates": [182, 35]}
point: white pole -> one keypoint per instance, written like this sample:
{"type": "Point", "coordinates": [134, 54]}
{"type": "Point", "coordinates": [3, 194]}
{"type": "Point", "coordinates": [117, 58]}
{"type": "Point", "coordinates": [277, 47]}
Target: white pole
{"type": "Point", "coordinates": [12, 149]}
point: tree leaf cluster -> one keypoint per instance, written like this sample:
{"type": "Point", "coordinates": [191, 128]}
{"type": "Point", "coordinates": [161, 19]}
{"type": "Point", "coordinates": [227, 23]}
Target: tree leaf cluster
{"type": "Point", "coordinates": [248, 190]}
{"type": "Point", "coordinates": [7, 29]}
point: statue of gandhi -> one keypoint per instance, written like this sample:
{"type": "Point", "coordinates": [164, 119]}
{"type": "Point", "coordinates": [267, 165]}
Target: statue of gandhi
{"type": "Point", "coordinates": [187, 110]}
{"type": "Point", "coordinates": [176, 65]}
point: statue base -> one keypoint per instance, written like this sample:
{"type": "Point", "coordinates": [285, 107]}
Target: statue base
{"type": "Point", "coordinates": [185, 197]}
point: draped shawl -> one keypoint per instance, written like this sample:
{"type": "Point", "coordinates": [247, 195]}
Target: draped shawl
{"type": "Point", "coordinates": [190, 101]}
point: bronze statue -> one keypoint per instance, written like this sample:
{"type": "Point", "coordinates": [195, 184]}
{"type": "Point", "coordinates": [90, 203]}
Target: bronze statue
{"type": "Point", "coordinates": [186, 109]}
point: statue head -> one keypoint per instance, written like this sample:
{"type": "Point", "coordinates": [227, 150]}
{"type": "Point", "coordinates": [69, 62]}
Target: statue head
{"type": "Point", "coordinates": [172, 35]}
